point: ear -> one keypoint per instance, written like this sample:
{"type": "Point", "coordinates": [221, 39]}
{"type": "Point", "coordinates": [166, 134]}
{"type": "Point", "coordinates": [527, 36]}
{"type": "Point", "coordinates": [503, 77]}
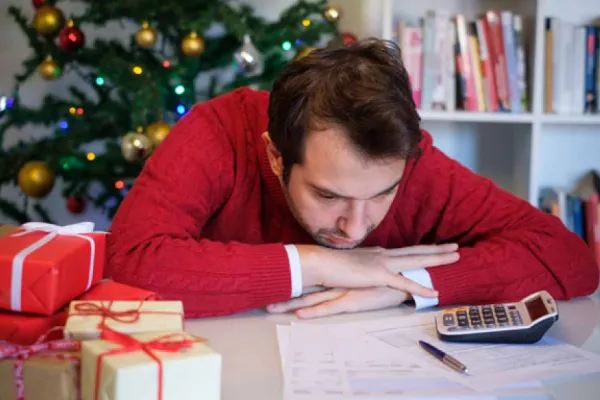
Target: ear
{"type": "Point", "coordinates": [274, 155]}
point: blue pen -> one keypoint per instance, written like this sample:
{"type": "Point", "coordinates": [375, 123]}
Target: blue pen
{"type": "Point", "coordinates": [443, 357]}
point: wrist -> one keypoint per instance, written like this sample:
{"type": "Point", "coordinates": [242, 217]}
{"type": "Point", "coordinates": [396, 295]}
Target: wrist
{"type": "Point", "coordinates": [311, 257]}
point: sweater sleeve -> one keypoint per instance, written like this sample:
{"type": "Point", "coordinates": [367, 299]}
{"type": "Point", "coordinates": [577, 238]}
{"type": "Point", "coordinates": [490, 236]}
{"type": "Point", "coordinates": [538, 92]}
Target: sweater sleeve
{"type": "Point", "coordinates": [508, 248]}
{"type": "Point", "coordinates": [156, 242]}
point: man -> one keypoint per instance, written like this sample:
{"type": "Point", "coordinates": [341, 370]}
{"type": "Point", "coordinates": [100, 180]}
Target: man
{"type": "Point", "coordinates": [328, 182]}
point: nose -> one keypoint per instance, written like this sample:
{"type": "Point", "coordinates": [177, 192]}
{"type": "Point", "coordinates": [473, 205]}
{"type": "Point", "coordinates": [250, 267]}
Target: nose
{"type": "Point", "coordinates": [354, 222]}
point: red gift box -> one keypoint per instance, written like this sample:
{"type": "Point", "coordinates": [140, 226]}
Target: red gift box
{"type": "Point", "coordinates": [25, 329]}
{"type": "Point", "coordinates": [44, 266]}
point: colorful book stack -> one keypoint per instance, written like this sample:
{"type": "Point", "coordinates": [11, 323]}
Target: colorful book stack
{"type": "Point", "coordinates": [578, 209]}
{"type": "Point", "coordinates": [67, 334]}
{"type": "Point", "coordinates": [471, 65]}
{"type": "Point", "coordinates": [571, 68]}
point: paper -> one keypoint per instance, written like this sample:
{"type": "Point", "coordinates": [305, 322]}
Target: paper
{"type": "Point", "coordinates": [382, 359]}
{"type": "Point", "coordinates": [85, 317]}
{"type": "Point", "coordinates": [494, 366]}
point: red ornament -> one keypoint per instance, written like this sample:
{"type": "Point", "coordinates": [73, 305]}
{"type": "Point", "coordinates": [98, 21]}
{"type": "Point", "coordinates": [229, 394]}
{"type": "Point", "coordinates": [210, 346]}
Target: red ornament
{"type": "Point", "coordinates": [76, 204]}
{"type": "Point", "coordinates": [38, 3]}
{"type": "Point", "coordinates": [71, 38]}
{"type": "Point", "coordinates": [348, 38]}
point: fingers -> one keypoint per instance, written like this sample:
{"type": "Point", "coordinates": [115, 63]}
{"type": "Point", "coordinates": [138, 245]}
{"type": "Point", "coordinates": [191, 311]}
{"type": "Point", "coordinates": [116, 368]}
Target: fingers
{"type": "Point", "coordinates": [305, 301]}
{"type": "Point", "coordinates": [331, 307]}
{"type": "Point", "coordinates": [423, 249]}
{"type": "Point", "coordinates": [419, 261]}
{"type": "Point", "coordinates": [399, 282]}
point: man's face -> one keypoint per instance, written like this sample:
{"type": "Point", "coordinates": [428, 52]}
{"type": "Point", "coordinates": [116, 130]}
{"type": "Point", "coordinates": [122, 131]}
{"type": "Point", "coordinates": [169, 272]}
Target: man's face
{"type": "Point", "coordinates": [336, 194]}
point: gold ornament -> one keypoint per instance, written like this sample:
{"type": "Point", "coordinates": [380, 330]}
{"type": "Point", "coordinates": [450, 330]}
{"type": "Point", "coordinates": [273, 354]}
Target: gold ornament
{"type": "Point", "coordinates": [304, 52]}
{"type": "Point", "coordinates": [146, 36]}
{"type": "Point", "coordinates": [157, 132]}
{"type": "Point", "coordinates": [48, 20]}
{"type": "Point", "coordinates": [332, 13]}
{"type": "Point", "coordinates": [49, 69]}
{"type": "Point", "coordinates": [192, 45]}
{"type": "Point", "coordinates": [36, 179]}
{"type": "Point", "coordinates": [136, 147]}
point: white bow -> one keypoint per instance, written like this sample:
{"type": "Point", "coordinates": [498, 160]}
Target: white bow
{"type": "Point", "coordinates": [74, 229]}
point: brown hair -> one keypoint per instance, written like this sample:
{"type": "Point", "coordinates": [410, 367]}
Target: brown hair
{"type": "Point", "coordinates": [364, 88]}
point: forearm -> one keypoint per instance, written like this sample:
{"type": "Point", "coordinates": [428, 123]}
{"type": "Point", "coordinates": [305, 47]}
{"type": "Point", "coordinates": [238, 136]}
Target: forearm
{"type": "Point", "coordinates": [511, 265]}
{"type": "Point", "coordinates": [210, 278]}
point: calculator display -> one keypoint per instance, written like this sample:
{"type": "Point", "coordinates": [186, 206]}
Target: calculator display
{"type": "Point", "coordinates": [536, 308]}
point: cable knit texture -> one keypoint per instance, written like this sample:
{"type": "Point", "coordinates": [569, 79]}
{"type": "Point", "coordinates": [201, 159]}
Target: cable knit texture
{"type": "Point", "coordinates": [206, 222]}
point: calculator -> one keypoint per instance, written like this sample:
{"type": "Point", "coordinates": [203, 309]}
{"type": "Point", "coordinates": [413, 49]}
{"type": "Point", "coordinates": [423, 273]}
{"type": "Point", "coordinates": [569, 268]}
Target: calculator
{"type": "Point", "coordinates": [525, 321]}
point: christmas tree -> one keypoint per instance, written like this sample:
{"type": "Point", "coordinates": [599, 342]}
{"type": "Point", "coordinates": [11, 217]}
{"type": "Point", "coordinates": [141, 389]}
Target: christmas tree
{"type": "Point", "coordinates": [132, 91]}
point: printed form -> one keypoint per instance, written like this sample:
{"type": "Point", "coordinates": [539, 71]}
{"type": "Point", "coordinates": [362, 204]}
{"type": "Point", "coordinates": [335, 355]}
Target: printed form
{"type": "Point", "coordinates": [379, 359]}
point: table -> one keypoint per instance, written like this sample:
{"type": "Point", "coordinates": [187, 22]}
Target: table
{"type": "Point", "coordinates": [252, 370]}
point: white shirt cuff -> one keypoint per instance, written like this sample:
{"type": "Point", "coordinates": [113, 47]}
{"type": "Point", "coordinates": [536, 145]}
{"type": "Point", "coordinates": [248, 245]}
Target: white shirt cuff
{"type": "Point", "coordinates": [295, 270]}
{"type": "Point", "coordinates": [422, 277]}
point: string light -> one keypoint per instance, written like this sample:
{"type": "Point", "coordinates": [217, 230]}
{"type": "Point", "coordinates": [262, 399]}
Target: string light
{"type": "Point", "coordinates": [166, 64]}
{"type": "Point", "coordinates": [286, 45]}
{"type": "Point", "coordinates": [179, 89]}
{"type": "Point", "coordinates": [63, 124]}
{"type": "Point", "coordinates": [72, 110]}
{"type": "Point", "coordinates": [119, 185]}
{"type": "Point", "coordinates": [137, 70]}
{"type": "Point", "coordinates": [91, 156]}
{"type": "Point", "coordinates": [306, 22]}
{"type": "Point", "coordinates": [99, 81]}
{"type": "Point", "coordinates": [80, 111]}
{"type": "Point", "coordinates": [180, 109]}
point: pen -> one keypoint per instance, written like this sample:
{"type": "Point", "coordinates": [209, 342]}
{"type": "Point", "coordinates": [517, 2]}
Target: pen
{"type": "Point", "coordinates": [443, 357]}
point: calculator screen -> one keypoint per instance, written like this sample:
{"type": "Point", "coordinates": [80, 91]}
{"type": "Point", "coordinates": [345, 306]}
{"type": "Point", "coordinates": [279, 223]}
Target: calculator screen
{"type": "Point", "coordinates": [536, 308]}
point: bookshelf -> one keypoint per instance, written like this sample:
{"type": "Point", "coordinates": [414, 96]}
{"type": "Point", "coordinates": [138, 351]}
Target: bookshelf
{"type": "Point", "coordinates": [526, 151]}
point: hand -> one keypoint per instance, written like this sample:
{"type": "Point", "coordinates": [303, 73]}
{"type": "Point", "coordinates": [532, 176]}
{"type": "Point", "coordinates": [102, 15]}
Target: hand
{"type": "Point", "coordinates": [336, 301]}
{"type": "Point", "coordinates": [372, 267]}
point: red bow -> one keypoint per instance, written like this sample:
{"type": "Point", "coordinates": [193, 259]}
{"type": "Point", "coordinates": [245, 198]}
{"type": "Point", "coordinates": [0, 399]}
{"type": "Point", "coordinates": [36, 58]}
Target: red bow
{"type": "Point", "coordinates": [130, 344]}
{"type": "Point", "coordinates": [22, 353]}
{"type": "Point", "coordinates": [127, 316]}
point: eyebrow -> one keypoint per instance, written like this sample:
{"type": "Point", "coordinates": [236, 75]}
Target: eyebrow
{"type": "Point", "coordinates": [334, 194]}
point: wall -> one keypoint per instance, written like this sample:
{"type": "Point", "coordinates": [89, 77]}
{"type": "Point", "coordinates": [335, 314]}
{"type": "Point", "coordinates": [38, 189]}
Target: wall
{"type": "Point", "coordinates": [360, 17]}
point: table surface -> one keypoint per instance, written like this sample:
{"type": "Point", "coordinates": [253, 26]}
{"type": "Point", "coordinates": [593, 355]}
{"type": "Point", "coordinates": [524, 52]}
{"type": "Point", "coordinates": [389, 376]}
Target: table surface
{"type": "Point", "coordinates": [251, 361]}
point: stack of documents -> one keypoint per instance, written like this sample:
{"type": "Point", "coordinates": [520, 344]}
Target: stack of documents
{"type": "Point", "coordinates": [379, 359]}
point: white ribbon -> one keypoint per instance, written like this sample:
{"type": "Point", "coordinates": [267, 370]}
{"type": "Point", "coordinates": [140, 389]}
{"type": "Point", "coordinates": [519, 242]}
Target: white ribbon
{"type": "Point", "coordinates": [79, 229]}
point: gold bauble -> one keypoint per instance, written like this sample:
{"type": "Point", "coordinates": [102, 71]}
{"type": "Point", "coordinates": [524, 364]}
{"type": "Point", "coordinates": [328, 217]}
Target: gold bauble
{"type": "Point", "coordinates": [332, 13]}
{"type": "Point", "coordinates": [192, 45]}
{"type": "Point", "coordinates": [157, 132]}
{"type": "Point", "coordinates": [48, 20]}
{"type": "Point", "coordinates": [304, 52]}
{"type": "Point", "coordinates": [136, 147]}
{"type": "Point", "coordinates": [36, 179]}
{"type": "Point", "coordinates": [49, 69]}
{"type": "Point", "coordinates": [146, 36]}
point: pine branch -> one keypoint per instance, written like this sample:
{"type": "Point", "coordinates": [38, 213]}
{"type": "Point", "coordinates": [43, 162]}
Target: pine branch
{"type": "Point", "coordinates": [12, 212]}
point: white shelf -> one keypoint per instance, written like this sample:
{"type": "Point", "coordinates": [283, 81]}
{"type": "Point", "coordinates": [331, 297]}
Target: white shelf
{"type": "Point", "coordinates": [520, 152]}
{"type": "Point", "coordinates": [469, 116]}
{"type": "Point", "coordinates": [570, 119]}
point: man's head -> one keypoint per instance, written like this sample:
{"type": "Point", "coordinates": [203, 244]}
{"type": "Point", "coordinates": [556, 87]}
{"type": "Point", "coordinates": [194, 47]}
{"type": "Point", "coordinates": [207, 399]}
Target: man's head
{"type": "Point", "coordinates": [342, 123]}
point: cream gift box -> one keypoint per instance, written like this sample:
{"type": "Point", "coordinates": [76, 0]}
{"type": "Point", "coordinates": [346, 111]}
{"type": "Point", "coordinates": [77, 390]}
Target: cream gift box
{"type": "Point", "coordinates": [86, 318]}
{"type": "Point", "coordinates": [148, 366]}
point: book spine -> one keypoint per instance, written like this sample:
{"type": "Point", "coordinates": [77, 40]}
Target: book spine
{"type": "Point", "coordinates": [497, 42]}
{"type": "Point", "coordinates": [590, 69]}
{"type": "Point", "coordinates": [510, 57]}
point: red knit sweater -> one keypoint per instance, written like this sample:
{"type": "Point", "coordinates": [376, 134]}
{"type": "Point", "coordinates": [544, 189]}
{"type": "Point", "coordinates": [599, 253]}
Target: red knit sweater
{"type": "Point", "coordinates": [206, 222]}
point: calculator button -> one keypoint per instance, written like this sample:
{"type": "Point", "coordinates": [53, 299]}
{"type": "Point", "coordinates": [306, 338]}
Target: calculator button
{"type": "Point", "coordinates": [463, 322]}
{"type": "Point", "coordinates": [476, 326]}
{"type": "Point", "coordinates": [448, 320]}
{"type": "Point", "coordinates": [503, 323]}
{"type": "Point", "coordinates": [490, 325]}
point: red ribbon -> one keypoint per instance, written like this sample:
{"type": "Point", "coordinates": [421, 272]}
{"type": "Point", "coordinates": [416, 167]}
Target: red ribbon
{"type": "Point", "coordinates": [126, 317]}
{"type": "Point", "coordinates": [22, 353]}
{"type": "Point", "coordinates": [130, 344]}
